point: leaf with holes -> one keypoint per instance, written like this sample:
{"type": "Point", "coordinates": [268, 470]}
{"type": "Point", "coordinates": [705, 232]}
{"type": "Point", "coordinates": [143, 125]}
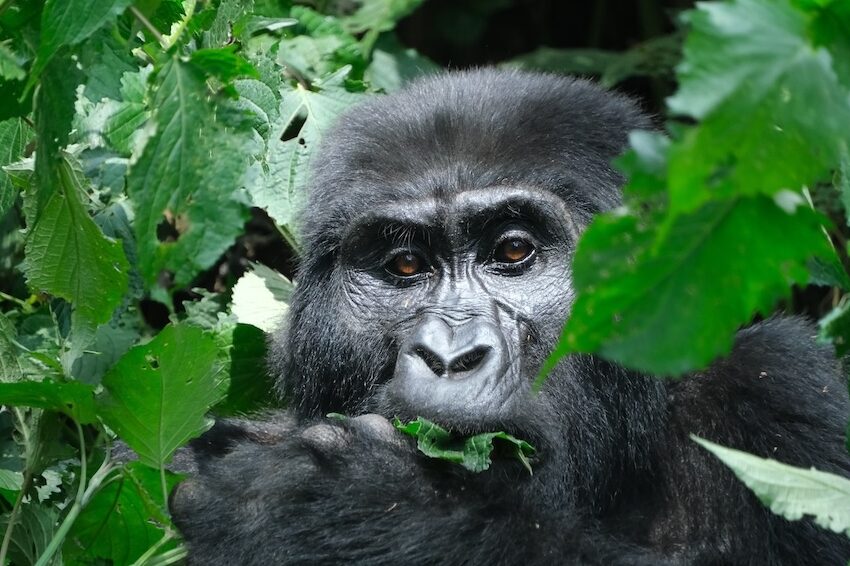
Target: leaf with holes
{"type": "Point", "coordinates": [185, 181]}
{"type": "Point", "coordinates": [281, 188]}
{"type": "Point", "coordinates": [158, 394]}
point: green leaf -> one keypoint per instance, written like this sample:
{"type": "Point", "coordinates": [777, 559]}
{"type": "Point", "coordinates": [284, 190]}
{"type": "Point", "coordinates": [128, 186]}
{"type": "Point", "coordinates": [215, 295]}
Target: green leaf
{"type": "Point", "coordinates": [73, 398]}
{"type": "Point", "coordinates": [379, 15]}
{"type": "Point", "coordinates": [243, 353]}
{"type": "Point", "coordinates": [33, 532]}
{"type": "Point", "coordinates": [10, 63]}
{"type": "Point", "coordinates": [473, 453]}
{"type": "Point", "coordinates": [762, 91]}
{"type": "Point", "coordinates": [68, 22]}
{"type": "Point", "coordinates": [835, 327]}
{"type": "Point", "coordinates": [185, 181]}
{"type": "Point", "coordinates": [643, 292]}
{"type": "Point", "coordinates": [281, 189]}
{"type": "Point", "coordinates": [790, 491]}
{"type": "Point", "coordinates": [394, 65]}
{"type": "Point", "coordinates": [69, 257]}
{"type": "Point", "coordinates": [15, 134]}
{"type": "Point", "coordinates": [122, 521]}
{"type": "Point", "coordinates": [223, 63]}
{"type": "Point", "coordinates": [156, 397]}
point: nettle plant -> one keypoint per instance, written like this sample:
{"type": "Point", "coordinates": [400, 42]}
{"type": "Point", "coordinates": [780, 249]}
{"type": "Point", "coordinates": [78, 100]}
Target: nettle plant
{"type": "Point", "coordinates": [135, 137]}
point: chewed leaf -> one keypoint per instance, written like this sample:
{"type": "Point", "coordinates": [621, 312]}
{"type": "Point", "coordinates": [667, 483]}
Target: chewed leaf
{"type": "Point", "coordinates": [473, 453]}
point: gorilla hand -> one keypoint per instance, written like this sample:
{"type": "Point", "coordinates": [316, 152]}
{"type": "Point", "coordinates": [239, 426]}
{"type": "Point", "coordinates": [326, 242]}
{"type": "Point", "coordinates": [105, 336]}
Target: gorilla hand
{"type": "Point", "coordinates": [329, 492]}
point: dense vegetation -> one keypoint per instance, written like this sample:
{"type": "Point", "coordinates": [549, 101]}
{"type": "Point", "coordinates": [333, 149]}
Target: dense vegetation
{"type": "Point", "coordinates": [138, 139]}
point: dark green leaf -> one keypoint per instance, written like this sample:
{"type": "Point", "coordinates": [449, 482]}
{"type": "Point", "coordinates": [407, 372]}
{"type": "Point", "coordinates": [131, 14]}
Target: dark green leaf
{"type": "Point", "coordinates": [119, 524]}
{"type": "Point", "coordinates": [73, 398]}
{"type": "Point", "coordinates": [223, 63]}
{"type": "Point", "coordinates": [68, 22]}
{"type": "Point", "coordinates": [69, 257]}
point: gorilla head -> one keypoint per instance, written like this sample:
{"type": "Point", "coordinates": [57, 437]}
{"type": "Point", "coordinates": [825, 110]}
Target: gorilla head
{"type": "Point", "coordinates": [436, 269]}
{"type": "Point", "coordinates": [435, 279]}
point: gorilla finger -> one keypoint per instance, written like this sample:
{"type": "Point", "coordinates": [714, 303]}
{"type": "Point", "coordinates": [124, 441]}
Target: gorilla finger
{"type": "Point", "coordinates": [378, 427]}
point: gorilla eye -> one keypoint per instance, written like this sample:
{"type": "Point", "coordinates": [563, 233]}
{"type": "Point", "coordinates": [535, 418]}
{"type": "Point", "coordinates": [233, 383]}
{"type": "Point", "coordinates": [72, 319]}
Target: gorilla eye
{"type": "Point", "coordinates": [406, 264]}
{"type": "Point", "coordinates": [513, 250]}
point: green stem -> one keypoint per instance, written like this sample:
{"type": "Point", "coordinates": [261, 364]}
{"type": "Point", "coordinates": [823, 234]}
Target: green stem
{"type": "Point", "coordinates": [290, 239]}
{"type": "Point", "coordinates": [79, 504]}
{"type": "Point", "coordinates": [13, 517]}
{"type": "Point", "coordinates": [148, 554]}
{"type": "Point", "coordinates": [169, 557]}
{"type": "Point", "coordinates": [164, 486]}
{"type": "Point", "coordinates": [150, 27]}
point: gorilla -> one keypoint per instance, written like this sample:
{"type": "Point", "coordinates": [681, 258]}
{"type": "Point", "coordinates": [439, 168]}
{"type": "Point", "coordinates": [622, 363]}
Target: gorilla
{"type": "Point", "coordinates": [434, 281]}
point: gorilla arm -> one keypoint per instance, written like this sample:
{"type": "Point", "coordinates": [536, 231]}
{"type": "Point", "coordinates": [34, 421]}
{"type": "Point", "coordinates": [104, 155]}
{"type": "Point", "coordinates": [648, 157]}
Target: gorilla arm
{"type": "Point", "coordinates": [357, 491]}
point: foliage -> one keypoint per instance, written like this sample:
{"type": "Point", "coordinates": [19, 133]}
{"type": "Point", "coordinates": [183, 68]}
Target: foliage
{"type": "Point", "coordinates": [135, 137]}
{"type": "Point", "coordinates": [718, 211]}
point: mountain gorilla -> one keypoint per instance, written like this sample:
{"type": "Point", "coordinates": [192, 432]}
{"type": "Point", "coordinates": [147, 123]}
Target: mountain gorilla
{"type": "Point", "coordinates": [435, 279]}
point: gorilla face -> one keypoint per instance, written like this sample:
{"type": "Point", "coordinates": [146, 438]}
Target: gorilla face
{"type": "Point", "coordinates": [462, 286]}
{"type": "Point", "coordinates": [436, 273]}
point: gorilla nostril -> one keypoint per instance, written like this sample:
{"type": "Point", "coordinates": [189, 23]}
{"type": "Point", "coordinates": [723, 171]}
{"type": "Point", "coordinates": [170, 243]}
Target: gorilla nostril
{"type": "Point", "coordinates": [469, 360]}
{"type": "Point", "coordinates": [431, 360]}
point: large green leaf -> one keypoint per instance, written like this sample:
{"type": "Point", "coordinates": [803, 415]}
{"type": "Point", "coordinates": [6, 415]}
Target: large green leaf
{"type": "Point", "coordinates": [281, 189]}
{"type": "Point", "coordinates": [762, 91]}
{"type": "Point", "coordinates": [643, 294]}
{"type": "Point", "coordinates": [789, 491]}
{"type": "Point", "coordinates": [68, 22]}
{"type": "Point", "coordinates": [185, 181]}
{"type": "Point", "coordinates": [68, 256]}
{"type": "Point", "coordinates": [156, 397]}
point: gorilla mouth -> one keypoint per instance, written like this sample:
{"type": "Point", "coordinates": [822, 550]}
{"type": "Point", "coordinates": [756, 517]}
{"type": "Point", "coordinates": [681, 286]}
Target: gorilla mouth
{"type": "Point", "coordinates": [519, 424]}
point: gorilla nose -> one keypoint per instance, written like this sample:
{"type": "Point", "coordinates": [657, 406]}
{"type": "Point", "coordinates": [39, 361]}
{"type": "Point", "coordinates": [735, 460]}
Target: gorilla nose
{"type": "Point", "coordinates": [454, 351]}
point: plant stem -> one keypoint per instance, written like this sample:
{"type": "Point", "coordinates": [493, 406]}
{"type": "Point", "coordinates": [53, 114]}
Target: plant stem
{"type": "Point", "coordinates": [148, 554]}
{"type": "Point", "coordinates": [164, 487]}
{"type": "Point", "coordinates": [13, 517]}
{"type": "Point", "coordinates": [150, 27]}
{"type": "Point", "coordinates": [79, 504]}
{"type": "Point", "coordinates": [170, 557]}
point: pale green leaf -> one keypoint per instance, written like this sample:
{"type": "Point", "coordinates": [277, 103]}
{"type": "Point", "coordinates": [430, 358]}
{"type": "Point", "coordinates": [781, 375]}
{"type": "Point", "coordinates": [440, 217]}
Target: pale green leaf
{"type": "Point", "coordinates": [281, 190]}
{"type": "Point", "coordinates": [261, 298]}
{"type": "Point", "coordinates": [15, 134]}
{"type": "Point", "coordinates": [790, 491]}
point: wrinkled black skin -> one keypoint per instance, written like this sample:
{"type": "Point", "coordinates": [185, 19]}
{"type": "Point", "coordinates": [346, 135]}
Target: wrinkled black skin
{"type": "Point", "coordinates": [443, 169]}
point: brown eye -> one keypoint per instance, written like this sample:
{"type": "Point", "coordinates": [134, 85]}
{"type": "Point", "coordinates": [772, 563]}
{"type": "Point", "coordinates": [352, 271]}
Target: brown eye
{"type": "Point", "coordinates": [406, 265]}
{"type": "Point", "coordinates": [513, 251]}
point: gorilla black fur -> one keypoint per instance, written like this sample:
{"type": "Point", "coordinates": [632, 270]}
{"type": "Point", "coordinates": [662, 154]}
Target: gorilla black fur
{"type": "Point", "coordinates": [435, 279]}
